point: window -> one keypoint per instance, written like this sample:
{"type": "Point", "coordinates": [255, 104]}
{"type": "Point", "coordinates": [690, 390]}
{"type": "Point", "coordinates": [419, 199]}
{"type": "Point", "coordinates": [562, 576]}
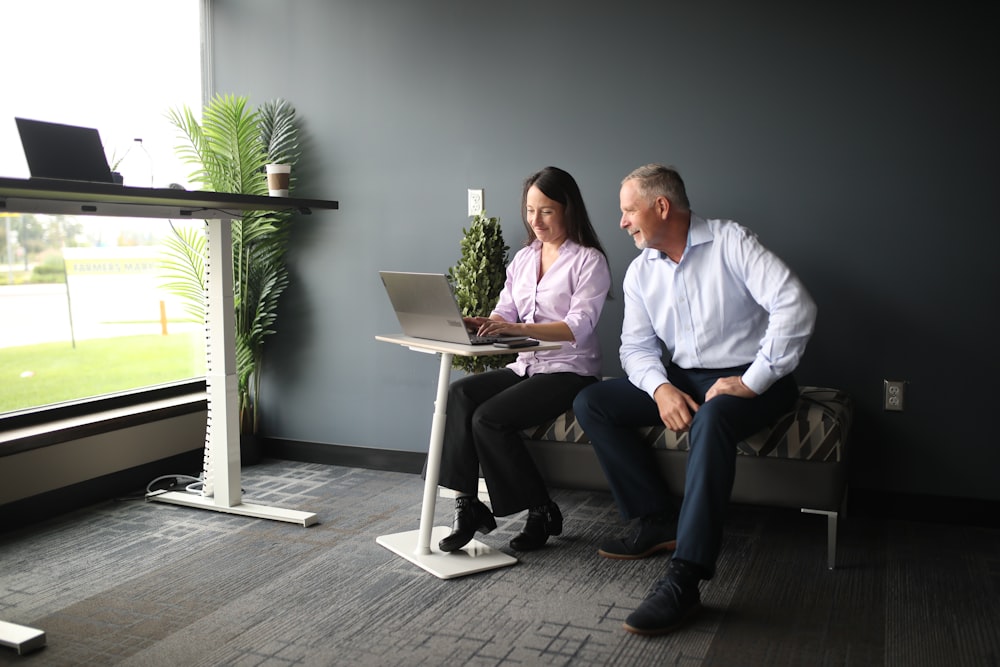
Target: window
{"type": "Point", "coordinates": [83, 310]}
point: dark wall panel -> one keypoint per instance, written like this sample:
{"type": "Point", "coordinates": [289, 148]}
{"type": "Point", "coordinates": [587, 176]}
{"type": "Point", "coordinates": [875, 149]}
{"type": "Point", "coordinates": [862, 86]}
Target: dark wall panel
{"type": "Point", "coordinates": [860, 146]}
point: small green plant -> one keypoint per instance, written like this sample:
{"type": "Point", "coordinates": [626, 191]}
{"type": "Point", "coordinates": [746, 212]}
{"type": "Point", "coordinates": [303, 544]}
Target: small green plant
{"type": "Point", "coordinates": [478, 279]}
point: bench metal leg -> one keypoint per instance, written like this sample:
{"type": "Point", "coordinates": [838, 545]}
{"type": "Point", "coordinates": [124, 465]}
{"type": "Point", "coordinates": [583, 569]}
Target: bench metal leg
{"type": "Point", "coordinates": [831, 535]}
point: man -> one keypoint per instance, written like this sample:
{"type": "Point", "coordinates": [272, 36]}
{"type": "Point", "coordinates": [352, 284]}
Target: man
{"type": "Point", "coordinates": [714, 325]}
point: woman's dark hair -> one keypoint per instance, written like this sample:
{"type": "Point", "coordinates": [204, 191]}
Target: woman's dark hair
{"type": "Point", "coordinates": [559, 186]}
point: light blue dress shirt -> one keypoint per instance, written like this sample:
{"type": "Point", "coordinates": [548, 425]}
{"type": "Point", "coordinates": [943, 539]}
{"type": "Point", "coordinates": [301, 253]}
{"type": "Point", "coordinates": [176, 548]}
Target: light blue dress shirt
{"type": "Point", "coordinates": [572, 290]}
{"type": "Point", "coordinates": [728, 302]}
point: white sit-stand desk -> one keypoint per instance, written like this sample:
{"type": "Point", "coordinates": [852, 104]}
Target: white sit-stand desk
{"type": "Point", "coordinates": [218, 209]}
{"type": "Point", "coordinates": [416, 545]}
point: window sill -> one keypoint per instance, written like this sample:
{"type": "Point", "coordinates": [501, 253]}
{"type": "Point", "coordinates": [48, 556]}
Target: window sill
{"type": "Point", "coordinates": [61, 429]}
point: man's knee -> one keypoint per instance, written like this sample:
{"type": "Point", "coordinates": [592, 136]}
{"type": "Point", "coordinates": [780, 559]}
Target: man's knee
{"type": "Point", "coordinates": [723, 418]}
{"type": "Point", "coordinates": [721, 407]}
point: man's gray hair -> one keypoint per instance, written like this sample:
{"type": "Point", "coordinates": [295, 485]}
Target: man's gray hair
{"type": "Point", "coordinates": [656, 180]}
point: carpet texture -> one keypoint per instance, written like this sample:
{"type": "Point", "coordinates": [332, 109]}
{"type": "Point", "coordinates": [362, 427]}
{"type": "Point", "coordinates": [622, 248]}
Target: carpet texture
{"type": "Point", "coordinates": [146, 584]}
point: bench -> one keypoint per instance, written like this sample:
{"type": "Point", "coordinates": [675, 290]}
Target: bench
{"type": "Point", "coordinates": [798, 462]}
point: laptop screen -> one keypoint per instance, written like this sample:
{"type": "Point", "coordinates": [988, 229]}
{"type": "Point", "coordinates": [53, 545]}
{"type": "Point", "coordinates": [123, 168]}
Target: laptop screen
{"type": "Point", "coordinates": [63, 152]}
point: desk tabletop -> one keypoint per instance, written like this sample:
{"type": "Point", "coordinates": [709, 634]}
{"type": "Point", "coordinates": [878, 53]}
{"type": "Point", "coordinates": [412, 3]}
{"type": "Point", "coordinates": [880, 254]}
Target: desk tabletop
{"type": "Point", "coordinates": [19, 195]}
{"type": "Point", "coordinates": [427, 345]}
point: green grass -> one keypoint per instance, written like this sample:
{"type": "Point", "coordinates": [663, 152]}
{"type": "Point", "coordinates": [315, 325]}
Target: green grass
{"type": "Point", "coordinates": [36, 375]}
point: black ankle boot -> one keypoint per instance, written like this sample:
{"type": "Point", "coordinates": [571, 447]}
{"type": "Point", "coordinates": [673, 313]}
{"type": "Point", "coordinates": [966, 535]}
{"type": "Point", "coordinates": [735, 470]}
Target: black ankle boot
{"type": "Point", "coordinates": [542, 521]}
{"type": "Point", "coordinates": [470, 515]}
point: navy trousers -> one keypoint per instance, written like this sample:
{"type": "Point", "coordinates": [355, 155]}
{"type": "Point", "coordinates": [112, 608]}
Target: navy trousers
{"type": "Point", "coordinates": [609, 413]}
{"type": "Point", "coordinates": [485, 414]}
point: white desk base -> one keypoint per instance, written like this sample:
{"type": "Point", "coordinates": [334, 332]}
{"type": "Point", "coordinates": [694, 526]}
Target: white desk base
{"type": "Point", "coordinates": [21, 638]}
{"type": "Point", "coordinates": [222, 445]}
{"type": "Point", "coordinates": [473, 557]}
{"type": "Point", "coordinates": [243, 509]}
{"type": "Point", "coordinates": [415, 546]}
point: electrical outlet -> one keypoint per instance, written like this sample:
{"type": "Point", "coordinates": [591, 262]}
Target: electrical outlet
{"type": "Point", "coordinates": [476, 204]}
{"type": "Point", "coordinates": [894, 395]}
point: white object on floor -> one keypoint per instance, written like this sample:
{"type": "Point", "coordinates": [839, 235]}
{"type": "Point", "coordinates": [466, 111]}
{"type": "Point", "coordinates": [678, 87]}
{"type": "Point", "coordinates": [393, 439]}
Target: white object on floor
{"type": "Point", "coordinates": [473, 557]}
{"type": "Point", "coordinates": [20, 637]}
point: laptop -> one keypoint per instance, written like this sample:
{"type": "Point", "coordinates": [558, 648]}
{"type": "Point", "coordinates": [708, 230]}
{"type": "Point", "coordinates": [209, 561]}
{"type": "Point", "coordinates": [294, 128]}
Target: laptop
{"type": "Point", "coordinates": [425, 306]}
{"type": "Point", "coordinates": [63, 152]}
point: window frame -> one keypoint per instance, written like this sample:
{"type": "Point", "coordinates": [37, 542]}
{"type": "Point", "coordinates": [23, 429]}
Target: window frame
{"type": "Point", "coordinates": [33, 428]}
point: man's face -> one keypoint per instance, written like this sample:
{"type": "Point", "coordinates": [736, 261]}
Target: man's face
{"type": "Point", "coordinates": [641, 218]}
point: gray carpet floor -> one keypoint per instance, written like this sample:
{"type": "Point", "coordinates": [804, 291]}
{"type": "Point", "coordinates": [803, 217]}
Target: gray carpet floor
{"type": "Point", "coordinates": [145, 584]}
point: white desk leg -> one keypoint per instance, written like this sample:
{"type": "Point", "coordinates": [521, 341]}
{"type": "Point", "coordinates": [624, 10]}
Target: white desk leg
{"type": "Point", "coordinates": [416, 546]}
{"type": "Point", "coordinates": [222, 474]}
{"type": "Point", "coordinates": [434, 455]}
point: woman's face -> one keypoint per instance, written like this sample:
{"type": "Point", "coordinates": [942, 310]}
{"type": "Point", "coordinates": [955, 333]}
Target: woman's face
{"type": "Point", "coordinates": [545, 217]}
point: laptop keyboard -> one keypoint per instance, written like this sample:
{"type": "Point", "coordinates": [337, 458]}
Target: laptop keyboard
{"type": "Point", "coordinates": [489, 340]}
{"type": "Point", "coordinates": [483, 340]}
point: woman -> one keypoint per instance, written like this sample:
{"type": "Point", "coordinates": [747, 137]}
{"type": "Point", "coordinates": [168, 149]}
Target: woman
{"type": "Point", "coordinates": [555, 290]}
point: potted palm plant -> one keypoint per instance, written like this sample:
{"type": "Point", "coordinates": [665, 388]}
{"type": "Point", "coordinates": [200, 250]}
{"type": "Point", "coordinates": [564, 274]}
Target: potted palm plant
{"type": "Point", "coordinates": [229, 149]}
{"type": "Point", "coordinates": [478, 279]}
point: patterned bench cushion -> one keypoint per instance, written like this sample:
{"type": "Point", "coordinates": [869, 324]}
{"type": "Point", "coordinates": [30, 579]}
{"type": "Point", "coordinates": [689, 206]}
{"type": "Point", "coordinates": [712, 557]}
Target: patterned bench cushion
{"type": "Point", "coordinates": [815, 430]}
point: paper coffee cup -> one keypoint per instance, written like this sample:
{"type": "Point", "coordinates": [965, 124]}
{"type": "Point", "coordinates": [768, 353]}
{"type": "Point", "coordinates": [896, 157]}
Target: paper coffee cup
{"type": "Point", "coordinates": [277, 179]}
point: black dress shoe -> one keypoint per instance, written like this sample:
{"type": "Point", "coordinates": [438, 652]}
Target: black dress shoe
{"type": "Point", "coordinates": [653, 534]}
{"type": "Point", "coordinates": [542, 521]}
{"type": "Point", "coordinates": [670, 602]}
{"type": "Point", "coordinates": [470, 515]}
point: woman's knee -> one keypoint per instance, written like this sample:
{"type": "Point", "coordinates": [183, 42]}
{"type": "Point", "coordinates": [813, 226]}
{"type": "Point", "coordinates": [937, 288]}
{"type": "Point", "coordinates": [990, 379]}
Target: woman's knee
{"type": "Point", "coordinates": [584, 401]}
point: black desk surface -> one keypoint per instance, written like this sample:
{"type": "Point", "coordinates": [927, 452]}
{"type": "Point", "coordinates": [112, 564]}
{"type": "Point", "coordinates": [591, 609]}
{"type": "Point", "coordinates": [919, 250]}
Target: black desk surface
{"type": "Point", "coordinates": [78, 198]}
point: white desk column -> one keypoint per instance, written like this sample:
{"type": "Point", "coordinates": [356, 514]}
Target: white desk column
{"type": "Point", "coordinates": [222, 442]}
{"type": "Point", "coordinates": [434, 455]}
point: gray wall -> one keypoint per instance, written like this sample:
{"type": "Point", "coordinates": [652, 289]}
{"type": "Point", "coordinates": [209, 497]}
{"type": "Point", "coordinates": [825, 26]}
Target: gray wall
{"type": "Point", "coordinates": [859, 144]}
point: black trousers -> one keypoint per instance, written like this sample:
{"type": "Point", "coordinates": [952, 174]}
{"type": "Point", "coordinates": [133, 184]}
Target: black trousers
{"type": "Point", "coordinates": [485, 414]}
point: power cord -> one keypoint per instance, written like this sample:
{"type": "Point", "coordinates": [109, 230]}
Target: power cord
{"type": "Point", "coordinates": [190, 484]}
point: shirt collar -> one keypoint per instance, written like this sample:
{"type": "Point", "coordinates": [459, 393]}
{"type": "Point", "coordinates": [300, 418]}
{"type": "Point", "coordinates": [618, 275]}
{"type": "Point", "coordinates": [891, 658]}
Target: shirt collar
{"type": "Point", "coordinates": [698, 233]}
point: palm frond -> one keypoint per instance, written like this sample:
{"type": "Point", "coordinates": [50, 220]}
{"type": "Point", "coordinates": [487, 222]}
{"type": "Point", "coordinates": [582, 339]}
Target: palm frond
{"type": "Point", "coordinates": [183, 267]}
{"type": "Point", "coordinates": [229, 149]}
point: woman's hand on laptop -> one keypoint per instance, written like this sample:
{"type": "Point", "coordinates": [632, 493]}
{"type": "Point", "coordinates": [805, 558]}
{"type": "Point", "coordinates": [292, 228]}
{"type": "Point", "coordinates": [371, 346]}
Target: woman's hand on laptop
{"type": "Point", "coordinates": [474, 323]}
{"type": "Point", "coordinates": [495, 327]}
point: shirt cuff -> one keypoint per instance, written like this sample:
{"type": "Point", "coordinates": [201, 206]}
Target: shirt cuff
{"type": "Point", "coordinates": [757, 378]}
{"type": "Point", "coordinates": [650, 380]}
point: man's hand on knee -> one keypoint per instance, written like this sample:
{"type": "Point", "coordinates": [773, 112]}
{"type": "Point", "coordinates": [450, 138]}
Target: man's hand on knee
{"type": "Point", "coordinates": [676, 408]}
{"type": "Point", "coordinates": [730, 386]}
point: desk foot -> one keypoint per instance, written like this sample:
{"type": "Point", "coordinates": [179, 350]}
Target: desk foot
{"type": "Point", "coordinates": [243, 509]}
{"type": "Point", "coordinates": [21, 638]}
{"type": "Point", "coordinates": [473, 557]}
